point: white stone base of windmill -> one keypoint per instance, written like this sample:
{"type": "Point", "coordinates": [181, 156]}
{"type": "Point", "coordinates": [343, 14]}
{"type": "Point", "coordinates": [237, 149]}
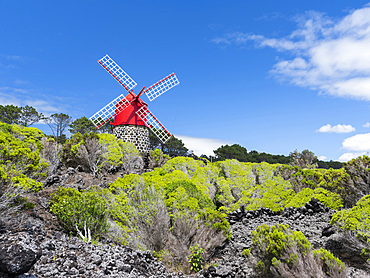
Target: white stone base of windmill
{"type": "Point", "coordinates": [136, 134]}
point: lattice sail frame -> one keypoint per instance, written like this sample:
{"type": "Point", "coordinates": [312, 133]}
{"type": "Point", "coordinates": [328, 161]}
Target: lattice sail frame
{"type": "Point", "coordinates": [117, 72]}
{"type": "Point", "coordinates": [161, 86]}
{"type": "Point", "coordinates": [154, 125]}
{"type": "Point", "coordinates": [116, 106]}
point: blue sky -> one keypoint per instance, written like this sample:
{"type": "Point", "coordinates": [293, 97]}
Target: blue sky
{"type": "Point", "coordinates": [272, 76]}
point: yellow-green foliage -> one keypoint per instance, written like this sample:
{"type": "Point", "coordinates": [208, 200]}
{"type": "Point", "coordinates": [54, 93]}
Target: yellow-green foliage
{"type": "Point", "coordinates": [112, 147]}
{"type": "Point", "coordinates": [252, 185]}
{"type": "Point", "coordinates": [20, 146]}
{"type": "Point", "coordinates": [182, 198]}
{"type": "Point", "coordinates": [330, 262]}
{"type": "Point", "coordinates": [333, 180]}
{"type": "Point", "coordinates": [134, 203]}
{"type": "Point", "coordinates": [283, 251]}
{"type": "Point", "coordinates": [185, 196]}
{"type": "Point", "coordinates": [273, 194]}
{"type": "Point", "coordinates": [206, 179]}
{"type": "Point", "coordinates": [20, 160]}
{"type": "Point", "coordinates": [117, 152]}
{"type": "Point", "coordinates": [185, 164]}
{"type": "Point", "coordinates": [76, 209]}
{"type": "Point", "coordinates": [329, 199]}
{"type": "Point", "coordinates": [26, 183]}
{"type": "Point", "coordinates": [196, 258]}
{"type": "Point", "coordinates": [157, 158]}
{"type": "Point", "coordinates": [265, 171]}
{"type": "Point", "coordinates": [358, 166]}
{"type": "Point", "coordinates": [274, 241]}
{"type": "Point", "coordinates": [239, 176]}
{"type": "Point", "coordinates": [99, 151]}
{"type": "Point", "coordinates": [356, 219]}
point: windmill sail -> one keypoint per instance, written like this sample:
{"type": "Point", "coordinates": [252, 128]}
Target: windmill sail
{"type": "Point", "coordinates": [162, 86]}
{"type": "Point", "coordinates": [111, 109]}
{"type": "Point", "coordinates": [154, 125]}
{"type": "Point", "coordinates": [117, 72]}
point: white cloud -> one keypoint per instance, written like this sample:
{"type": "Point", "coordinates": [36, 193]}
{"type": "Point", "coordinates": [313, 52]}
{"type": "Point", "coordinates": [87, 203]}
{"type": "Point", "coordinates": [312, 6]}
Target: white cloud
{"type": "Point", "coordinates": [336, 129]}
{"type": "Point", "coordinates": [348, 156]}
{"type": "Point", "coordinates": [22, 97]}
{"type": "Point", "coordinates": [322, 157]}
{"type": "Point", "coordinates": [366, 124]}
{"type": "Point", "coordinates": [357, 143]}
{"type": "Point", "coordinates": [331, 56]}
{"type": "Point", "coordinates": [202, 145]}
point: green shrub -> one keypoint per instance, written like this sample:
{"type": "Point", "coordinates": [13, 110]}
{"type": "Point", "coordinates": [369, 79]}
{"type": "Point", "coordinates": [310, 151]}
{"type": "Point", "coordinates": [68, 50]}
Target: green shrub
{"type": "Point", "coordinates": [252, 185]}
{"type": "Point", "coordinates": [185, 164]}
{"type": "Point", "coordinates": [20, 150]}
{"type": "Point", "coordinates": [206, 179]}
{"type": "Point", "coordinates": [355, 219]}
{"type": "Point", "coordinates": [195, 258]}
{"type": "Point", "coordinates": [191, 191]}
{"type": "Point", "coordinates": [157, 158]}
{"type": "Point", "coordinates": [26, 183]}
{"type": "Point", "coordinates": [331, 264]}
{"type": "Point", "coordinates": [329, 199]}
{"type": "Point", "coordinates": [333, 180]}
{"type": "Point", "coordinates": [20, 161]}
{"type": "Point", "coordinates": [76, 209]}
{"type": "Point", "coordinates": [21, 202]}
{"type": "Point", "coordinates": [282, 252]}
{"type": "Point", "coordinates": [274, 241]}
{"type": "Point", "coordinates": [274, 194]}
{"type": "Point", "coordinates": [246, 252]}
{"type": "Point", "coordinates": [165, 210]}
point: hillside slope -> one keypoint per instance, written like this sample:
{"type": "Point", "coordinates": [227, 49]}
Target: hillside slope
{"type": "Point", "coordinates": [72, 210]}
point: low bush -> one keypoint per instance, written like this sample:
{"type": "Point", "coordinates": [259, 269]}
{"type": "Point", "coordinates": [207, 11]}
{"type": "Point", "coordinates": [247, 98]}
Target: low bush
{"type": "Point", "coordinates": [355, 219]}
{"type": "Point", "coordinates": [281, 252]}
{"type": "Point", "coordinates": [157, 158]}
{"type": "Point", "coordinates": [77, 211]}
{"type": "Point", "coordinates": [329, 199]}
{"type": "Point", "coordinates": [330, 264]}
{"type": "Point", "coordinates": [195, 258]}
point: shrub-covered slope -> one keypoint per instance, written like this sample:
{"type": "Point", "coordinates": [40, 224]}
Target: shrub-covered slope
{"type": "Point", "coordinates": [180, 208]}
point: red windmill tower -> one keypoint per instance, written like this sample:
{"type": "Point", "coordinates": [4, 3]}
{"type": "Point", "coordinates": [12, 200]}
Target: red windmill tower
{"type": "Point", "coordinates": [131, 115]}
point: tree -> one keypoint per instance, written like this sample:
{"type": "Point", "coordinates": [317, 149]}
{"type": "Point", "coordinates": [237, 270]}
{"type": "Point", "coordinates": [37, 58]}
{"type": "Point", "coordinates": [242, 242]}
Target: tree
{"type": "Point", "coordinates": [306, 159]}
{"type": "Point", "coordinates": [231, 152]}
{"type": "Point", "coordinates": [81, 125]}
{"type": "Point", "coordinates": [329, 164]}
{"type": "Point", "coordinates": [174, 147]}
{"type": "Point", "coordinates": [154, 142]}
{"type": "Point", "coordinates": [25, 116]}
{"type": "Point", "coordinates": [58, 123]}
{"type": "Point", "coordinates": [29, 116]}
{"type": "Point", "coordinates": [10, 114]}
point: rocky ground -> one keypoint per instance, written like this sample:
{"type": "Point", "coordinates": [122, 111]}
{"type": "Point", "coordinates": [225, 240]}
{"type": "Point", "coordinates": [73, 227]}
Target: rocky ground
{"type": "Point", "coordinates": [38, 247]}
{"type": "Point", "coordinates": [312, 220]}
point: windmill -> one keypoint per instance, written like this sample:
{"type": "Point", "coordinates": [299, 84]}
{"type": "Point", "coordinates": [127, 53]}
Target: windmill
{"type": "Point", "coordinates": [132, 118]}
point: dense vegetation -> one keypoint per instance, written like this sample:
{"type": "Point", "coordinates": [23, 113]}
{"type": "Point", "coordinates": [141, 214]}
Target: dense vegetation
{"type": "Point", "coordinates": [282, 252]}
{"type": "Point", "coordinates": [182, 202]}
{"type": "Point", "coordinates": [241, 154]}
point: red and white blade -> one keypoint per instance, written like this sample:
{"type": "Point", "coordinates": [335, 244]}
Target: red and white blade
{"type": "Point", "coordinates": [117, 72]}
{"type": "Point", "coordinates": [111, 109]}
{"type": "Point", "coordinates": [162, 86]}
{"type": "Point", "coordinates": [154, 125]}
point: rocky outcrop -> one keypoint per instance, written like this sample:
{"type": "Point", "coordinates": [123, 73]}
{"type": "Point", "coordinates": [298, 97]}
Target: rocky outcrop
{"type": "Point", "coordinates": [18, 253]}
{"type": "Point", "coordinates": [348, 248]}
{"type": "Point", "coordinates": [312, 220]}
{"type": "Point", "coordinates": [64, 256]}
{"type": "Point", "coordinates": [70, 257]}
